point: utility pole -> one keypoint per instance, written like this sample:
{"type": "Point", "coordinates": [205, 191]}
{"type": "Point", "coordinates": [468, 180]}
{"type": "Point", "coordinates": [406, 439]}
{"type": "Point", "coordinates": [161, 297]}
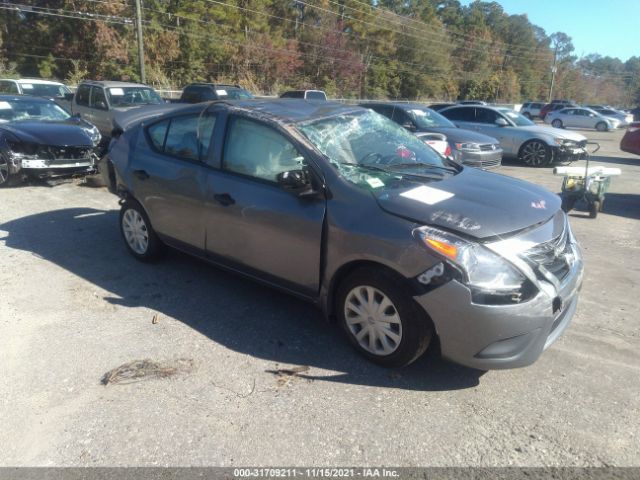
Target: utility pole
{"type": "Point", "coordinates": [143, 77]}
{"type": "Point", "coordinates": [553, 72]}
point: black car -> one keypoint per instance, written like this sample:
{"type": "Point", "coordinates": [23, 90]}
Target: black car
{"type": "Point", "coordinates": [40, 138]}
{"type": "Point", "coordinates": [206, 92]}
{"type": "Point", "coordinates": [468, 147]}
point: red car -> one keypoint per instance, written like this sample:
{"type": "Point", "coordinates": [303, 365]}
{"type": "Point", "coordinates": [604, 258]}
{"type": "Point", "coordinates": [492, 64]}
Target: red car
{"type": "Point", "coordinates": [631, 140]}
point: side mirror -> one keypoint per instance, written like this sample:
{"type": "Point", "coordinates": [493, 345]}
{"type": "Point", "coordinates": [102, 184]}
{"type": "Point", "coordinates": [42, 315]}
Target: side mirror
{"type": "Point", "coordinates": [501, 122]}
{"type": "Point", "coordinates": [296, 181]}
{"type": "Point", "coordinates": [101, 105]}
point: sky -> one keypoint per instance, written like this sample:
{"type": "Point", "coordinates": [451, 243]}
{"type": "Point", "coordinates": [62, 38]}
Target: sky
{"type": "Point", "coordinates": [606, 27]}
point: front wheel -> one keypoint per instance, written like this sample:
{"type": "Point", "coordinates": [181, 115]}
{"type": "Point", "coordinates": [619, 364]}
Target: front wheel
{"type": "Point", "coordinates": [557, 123]}
{"type": "Point", "coordinates": [602, 127]}
{"type": "Point", "coordinates": [139, 236]}
{"type": "Point", "coordinates": [5, 171]}
{"type": "Point", "coordinates": [381, 320]}
{"type": "Point", "coordinates": [536, 153]}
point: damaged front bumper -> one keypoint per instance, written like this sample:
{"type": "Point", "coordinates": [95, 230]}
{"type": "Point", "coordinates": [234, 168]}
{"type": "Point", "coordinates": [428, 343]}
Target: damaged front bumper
{"type": "Point", "coordinates": [58, 166]}
{"type": "Point", "coordinates": [570, 151]}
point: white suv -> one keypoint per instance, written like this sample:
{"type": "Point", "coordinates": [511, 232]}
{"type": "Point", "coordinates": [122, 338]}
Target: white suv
{"type": "Point", "coordinates": [531, 109]}
{"type": "Point", "coordinates": [34, 86]}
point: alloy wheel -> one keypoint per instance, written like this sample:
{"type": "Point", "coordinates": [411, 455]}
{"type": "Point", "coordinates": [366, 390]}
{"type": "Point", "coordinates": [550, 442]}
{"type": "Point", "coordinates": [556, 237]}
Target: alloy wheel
{"type": "Point", "coordinates": [535, 154]}
{"type": "Point", "coordinates": [373, 320]}
{"type": "Point", "coordinates": [4, 170]}
{"type": "Point", "coordinates": [135, 231]}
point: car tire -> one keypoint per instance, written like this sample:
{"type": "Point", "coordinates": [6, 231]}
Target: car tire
{"type": "Point", "coordinates": [393, 337]}
{"type": "Point", "coordinates": [602, 127]}
{"type": "Point", "coordinates": [557, 123]}
{"type": "Point", "coordinates": [594, 208]}
{"type": "Point", "coordinates": [5, 171]}
{"type": "Point", "coordinates": [536, 153]}
{"type": "Point", "coordinates": [138, 234]}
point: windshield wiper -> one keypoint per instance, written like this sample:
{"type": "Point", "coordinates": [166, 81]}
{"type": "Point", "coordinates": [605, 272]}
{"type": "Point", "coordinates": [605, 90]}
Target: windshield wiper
{"type": "Point", "coordinates": [424, 165]}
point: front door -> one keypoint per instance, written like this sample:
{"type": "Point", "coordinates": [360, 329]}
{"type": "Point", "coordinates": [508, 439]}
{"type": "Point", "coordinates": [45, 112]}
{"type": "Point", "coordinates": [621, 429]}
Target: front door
{"type": "Point", "coordinates": [254, 224]}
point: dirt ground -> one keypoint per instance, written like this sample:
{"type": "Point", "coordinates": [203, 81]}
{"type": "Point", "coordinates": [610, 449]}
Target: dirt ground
{"type": "Point", "coordinates": [107, 361]}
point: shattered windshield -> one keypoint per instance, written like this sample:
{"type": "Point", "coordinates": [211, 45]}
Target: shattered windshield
{"type": "Point", "coordinates": [367, 139]}
{"type": "Point", "coordinates": [19, 110]}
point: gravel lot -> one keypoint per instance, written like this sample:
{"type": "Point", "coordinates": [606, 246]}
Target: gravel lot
{"type": "Point", "coordinates": [75, 305]}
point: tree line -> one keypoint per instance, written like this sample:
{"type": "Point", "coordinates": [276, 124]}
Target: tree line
{"type": "Point", "coordinates": [396, 49]}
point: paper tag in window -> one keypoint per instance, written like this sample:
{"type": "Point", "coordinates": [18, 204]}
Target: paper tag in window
{"type": "Point", "coordinates": [221, 92]}
{"type": "Point", "coordinates": [375, 182]}
{"type": "Point", "coordinates": [427, 195]}
{"type": "Point", "coordinates": [116, 91]}
{"type": "Point", "coordinates": [26, 86]}
{"type": "Point", "coordinates": [5, 106]}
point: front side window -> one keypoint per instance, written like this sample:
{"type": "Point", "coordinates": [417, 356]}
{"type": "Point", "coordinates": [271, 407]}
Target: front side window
{"type": "Point", "coordinates": [255, 149]}
{"type": "Point", "coordinates": [82, 95]}
{"type": "Point", "coordinates": [187, 137]}
{"type": "Point", "coordinates": [98, 99]}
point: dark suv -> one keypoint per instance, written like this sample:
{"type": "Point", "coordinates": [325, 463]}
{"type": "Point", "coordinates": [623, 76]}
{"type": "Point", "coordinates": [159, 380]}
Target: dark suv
{"type": "Point", "coordinates": [340, 206]}
{"type": "Point", "coordinates": [206, 92]}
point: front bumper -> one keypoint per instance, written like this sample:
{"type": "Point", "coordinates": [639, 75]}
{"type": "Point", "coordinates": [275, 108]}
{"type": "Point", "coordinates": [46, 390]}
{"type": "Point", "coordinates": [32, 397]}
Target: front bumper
{"type": "Point", "coordinates": [483, 159]}
{"type": "Point", "coordinates": [500, 336]}
{"type": "Point", "coordinates": [54, 167]}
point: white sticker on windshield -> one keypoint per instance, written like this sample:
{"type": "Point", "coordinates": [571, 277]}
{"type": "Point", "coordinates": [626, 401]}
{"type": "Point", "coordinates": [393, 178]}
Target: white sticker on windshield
{"type": "Point", "coordinates": [5, 106]}
{"type": "Point", "coordinates": [427, 195]}
{"type": "Point", "coordinates": [116, 91]}
{"type": "Point", "coordinates": [26, 86]}
{"type": "Point", "coordinates": [420, 113]}
{"type": "Point", "coordinates": [221, 92]}
{"type": "Point", "coordinates": [375, 182]}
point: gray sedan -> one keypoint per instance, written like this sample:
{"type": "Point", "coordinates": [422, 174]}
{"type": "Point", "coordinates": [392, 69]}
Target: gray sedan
{"type": "Point", "coordinates": [467, 147]}
{"type": "Point", "coordinates": [519, 137]}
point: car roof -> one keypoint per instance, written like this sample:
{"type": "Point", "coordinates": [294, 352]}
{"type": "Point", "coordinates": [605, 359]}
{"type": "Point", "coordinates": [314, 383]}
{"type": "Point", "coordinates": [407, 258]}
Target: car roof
{"type": "Point", "coordinates": [402, 105]}
{"type": "Point", "coordinates": [37, 81]}
{"type": "Point", "coordinates": [24, 98]}
{"type": "Point", "coordinates": [112, 83]}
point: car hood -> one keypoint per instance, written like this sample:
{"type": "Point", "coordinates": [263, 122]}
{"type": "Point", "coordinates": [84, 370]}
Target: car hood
{"type": "Point", "coordinates": [473, 203]}
{"type": "Point", "coordinates": [554, 132]}
{"type": "Point", "coordinates": [461, 135]}
{"type": "Point", "coordinates": [64, 133]}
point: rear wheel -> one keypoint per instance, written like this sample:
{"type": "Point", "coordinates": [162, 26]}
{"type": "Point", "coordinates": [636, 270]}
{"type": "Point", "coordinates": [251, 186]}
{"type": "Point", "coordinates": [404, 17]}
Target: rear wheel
{"type": "Point", "coordinates": [557, 123]}
{"type": "Point", "coordinates": [594, 208]}
{"type": "Point", "coordinates": [138, 234]}
{"type": "Point", "coordinates": [380, 319]}
{"type": "Point", "coordinates": [536, 153]}
{"type": "Point", "coordinates": [602, 127]}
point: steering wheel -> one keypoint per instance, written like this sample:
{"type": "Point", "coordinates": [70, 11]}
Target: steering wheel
{"type": "Point", "coordinates": [378, 159]}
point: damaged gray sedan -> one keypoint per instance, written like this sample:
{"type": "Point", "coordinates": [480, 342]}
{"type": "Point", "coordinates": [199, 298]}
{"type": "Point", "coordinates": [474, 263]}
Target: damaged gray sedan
{"type": "Point", "coordinates": [343, 207]}
{"type": "Point", "coordinates": [39, 138]}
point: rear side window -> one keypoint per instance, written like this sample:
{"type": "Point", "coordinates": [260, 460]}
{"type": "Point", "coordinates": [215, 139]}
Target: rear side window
{"type": "Point", "coordinates": [484, 115]}
{"type": "Point", "coordinates": [464, 114]}
{"type": "Point", "coordinates": [187, 137]}
{"type": "Point", "coordinates": [257, 150]}
{"type": "Point", "coordinates": [82, 95]}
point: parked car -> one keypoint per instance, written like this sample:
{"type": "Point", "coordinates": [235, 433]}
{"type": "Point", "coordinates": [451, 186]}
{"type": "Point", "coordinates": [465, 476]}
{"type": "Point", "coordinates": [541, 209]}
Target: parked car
{"type": "Point", "coordinates": [343, 207]}
{"type": "Point", "coordinates": [531, 109]}
{"type": "Point", "coordinates": [581, 118]}
{"type": "Point", "coordinates": [636, 114]}
{"type": "Point", "coordinates": [206, 92]}
{"type": "Point", "coordinates": [519, 137]}
{"type": "Point", "coordinates": [631, 140]}
{"type": "Point", "coordinates": [466, 146]}
{"type": "Point", "coordinates": [99, 101]}
{"type": "Point", "coordinates": [34, 86]}
{"type": "Point", "coordinates": [38, 137]}
{"type": "Point", "coordinates": [439, 106]}
{"type": "Point", "coordinates": [623, 118]}
{"type": "Point", "coordinates": [555, 105]}
{"type": "Point", "coordinates": [306, 94]}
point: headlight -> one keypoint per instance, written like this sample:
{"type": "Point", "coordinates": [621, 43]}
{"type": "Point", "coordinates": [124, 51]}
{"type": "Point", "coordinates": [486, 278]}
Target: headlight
{"type": "Point", "coordinates": [94, 133]}
{"type": "Point", "coordinates": [563, 142]}
{"type": "Point", "coordinates": [483, 271]}
{"type": "Point", "coordinates": [467, 147]}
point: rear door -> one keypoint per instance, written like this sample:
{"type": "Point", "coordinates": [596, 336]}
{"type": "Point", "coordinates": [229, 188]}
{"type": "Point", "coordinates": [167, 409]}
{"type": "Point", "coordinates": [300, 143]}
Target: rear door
{"type": "Point", "coordinates": [464, 117]}
{"type": "Point", "coordinates": [169, 177]}
{"type": "Point", "coordinates": [99, 111]}
{"type": "Point", "coordinates": [252, 224]}
{"type": "Point", "coordinates": [80, 103]}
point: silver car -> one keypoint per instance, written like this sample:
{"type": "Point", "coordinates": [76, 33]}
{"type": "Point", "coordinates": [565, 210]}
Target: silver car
{"type": "Point", "coordinates": [519, 137]}
{"type": "Point", "coordinates": [578, 117]}
{"type": "Point", "coordinates": [623, 117]}
{"type": "Point", "coordinates": [341, 206]}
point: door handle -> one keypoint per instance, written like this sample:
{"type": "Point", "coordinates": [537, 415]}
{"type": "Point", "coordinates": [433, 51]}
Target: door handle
{"type": "Point", "coordinates": [141, 174]}
{"type": "Point", "coordinates": [224, 199]}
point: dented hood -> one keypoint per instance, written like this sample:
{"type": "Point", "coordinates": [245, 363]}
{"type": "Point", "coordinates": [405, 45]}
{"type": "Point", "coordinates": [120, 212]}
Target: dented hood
{"type": "Point", "coordinates": [64, 133]}
{"type": "Point", "coordinates": [473, 203]}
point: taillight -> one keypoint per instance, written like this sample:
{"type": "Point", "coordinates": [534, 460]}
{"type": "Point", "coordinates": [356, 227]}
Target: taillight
{"type": "Point", "coordinates": [447, 151]}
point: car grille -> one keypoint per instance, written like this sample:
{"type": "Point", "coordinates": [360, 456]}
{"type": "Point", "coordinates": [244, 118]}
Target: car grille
{"type": "Point", "coordinates": [551, 256]}
{"type": "Point", "coordinates": [487, 147]}
{"type": "Point", "coordinates": [64, 153]}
